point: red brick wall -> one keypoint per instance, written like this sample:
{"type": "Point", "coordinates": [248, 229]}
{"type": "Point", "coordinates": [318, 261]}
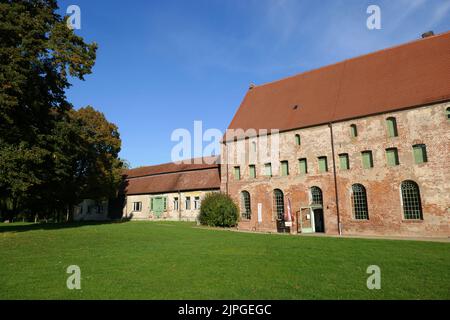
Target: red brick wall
{"type": "Point", "coordinates": [427, 125]}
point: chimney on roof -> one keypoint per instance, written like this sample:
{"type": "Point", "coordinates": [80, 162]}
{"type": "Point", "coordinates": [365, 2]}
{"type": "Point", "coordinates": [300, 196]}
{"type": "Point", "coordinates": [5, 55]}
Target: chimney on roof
{"type": "Point", "coordinates": [427, 34]}
{"type": "Point", "coordinates": [252, 85]}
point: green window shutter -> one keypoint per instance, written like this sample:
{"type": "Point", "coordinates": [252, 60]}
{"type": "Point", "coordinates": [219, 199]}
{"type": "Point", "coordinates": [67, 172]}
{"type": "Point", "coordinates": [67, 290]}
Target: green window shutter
{"type": "Point", "coordinates": [303, 166]}
{"type": "Point", "coordinates": [392, 157]}
{"type": "Point", "coordinates": [323, 165]}
{"type": "Point", "coordinates": [344, 162]}
{"type": "Point", "coordinates": [392, 127]}
{"type": "Point", "coordinates": [237, 173]}
{"type": "Point", "coordinates": [353, 131]}
{"type": "Point", "coordinates": [367, 159]}
{"type": "Point", "coordinates": [284, 168]}
{"type": "Point", "coordinates": [420, 153]}
{"type": "Point", "coordinates": [252, 171]}
{"type": "Point", "coordinates": [268, 169]}
{"type": "Point", "coordinates": [298, 141]}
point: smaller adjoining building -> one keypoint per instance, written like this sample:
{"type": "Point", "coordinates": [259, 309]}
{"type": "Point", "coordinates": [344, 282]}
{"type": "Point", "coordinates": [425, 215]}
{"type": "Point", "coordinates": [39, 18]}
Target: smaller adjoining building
{"type": "Point", "coordinates": [169, 191]}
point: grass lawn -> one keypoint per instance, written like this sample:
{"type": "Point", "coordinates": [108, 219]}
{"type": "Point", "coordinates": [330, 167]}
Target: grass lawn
{"type": "Point", "coordinates": [170, 260]}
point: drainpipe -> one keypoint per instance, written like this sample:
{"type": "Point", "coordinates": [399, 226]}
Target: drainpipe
{"type": "Point", "coordinates": [226, 164]}
{"type": "Point", "coordinates": [335, 179]}
{"type": "Point", "coordinates": [179, 205]}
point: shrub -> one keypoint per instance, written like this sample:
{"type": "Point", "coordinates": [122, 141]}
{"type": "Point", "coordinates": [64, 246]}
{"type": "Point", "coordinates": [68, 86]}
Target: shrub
{"type": "Point", "coordinates": [218, 210]}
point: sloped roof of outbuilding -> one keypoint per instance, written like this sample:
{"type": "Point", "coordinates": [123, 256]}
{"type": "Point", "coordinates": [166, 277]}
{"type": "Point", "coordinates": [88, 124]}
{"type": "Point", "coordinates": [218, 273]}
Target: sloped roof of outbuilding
{"type": "Point", "coordinates": [172, 177]}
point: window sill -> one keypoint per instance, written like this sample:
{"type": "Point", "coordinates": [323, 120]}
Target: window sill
{"type": "Point", "coordinates": [412, 221]}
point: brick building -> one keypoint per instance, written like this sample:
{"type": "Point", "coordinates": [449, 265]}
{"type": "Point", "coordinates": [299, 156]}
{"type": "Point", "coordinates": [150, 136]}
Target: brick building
{"type": "Point", "coordinates": [364, 147]}
{"type": "Point", "coordinates": [169, 191]}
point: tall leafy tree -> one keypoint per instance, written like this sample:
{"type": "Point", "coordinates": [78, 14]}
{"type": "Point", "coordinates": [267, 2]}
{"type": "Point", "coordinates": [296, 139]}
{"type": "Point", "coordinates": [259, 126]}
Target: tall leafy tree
{"type": "Point", "coordinates": [49, 153]}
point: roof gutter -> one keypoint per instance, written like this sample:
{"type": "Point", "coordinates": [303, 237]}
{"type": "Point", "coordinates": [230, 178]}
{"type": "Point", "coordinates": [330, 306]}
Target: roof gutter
{"type": "Point", "coordinates": [336, 194]}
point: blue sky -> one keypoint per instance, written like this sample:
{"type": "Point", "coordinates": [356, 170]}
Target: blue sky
{"type": "Point", "coordinates": [161, 65]}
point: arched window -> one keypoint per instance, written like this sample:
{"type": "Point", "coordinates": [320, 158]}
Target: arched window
{"type": "Point", "coordinates": [412, 206]}
{"type": "Point", "coordinates": [246, 210]}
{"type": "Point", "coordinates": [359, 202]}
{"type": "Point", "coordinates": [278, 203]}
{"type": "Point", "coordinates": [353, 131]}
{"type": "Point", "coordinates": [316, 196]}
{"type": "Point", "coordinates": [392, 127]}
{"type": "Point", "coordinates": [298, 140]}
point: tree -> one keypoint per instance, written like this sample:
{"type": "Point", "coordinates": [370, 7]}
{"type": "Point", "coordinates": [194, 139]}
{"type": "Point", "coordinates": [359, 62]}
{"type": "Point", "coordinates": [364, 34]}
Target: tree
{"type": "Point", "coordinates": [50, 155]}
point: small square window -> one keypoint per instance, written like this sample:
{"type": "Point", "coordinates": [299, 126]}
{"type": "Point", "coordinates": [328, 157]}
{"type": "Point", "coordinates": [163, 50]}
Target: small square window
{"type": "Point", "coordinates": [252, 170]}
{"type": "Point", "coordinates": [268, 169]}
{"type": "Point", "coordinates": [284, 168]}
{"type": "Point", "coordinates": [303, 166]}
{"type": "Point", "coordinates": [175, 204]}
{"type": "Point", "coordinates": [344, 163]}
{"type": "Point", "coordinates": [323, 164]}
{"type": "Point", "coordinates": [367, 159]}
{"type": "Point", "coordinates": [137, 206]}
{"type": "Point", "coordinates": [420, 153]}
{"type": "Point", "coordinates": [298, 140]}
{"type": "Point", "coordinates": [392, 157]}
{"type": "Point", "coordinates": [353, 131]}
{"type": "Point", "coordinates": [237, 173]}
{"type": "Point", "coordinates": [196, 203]}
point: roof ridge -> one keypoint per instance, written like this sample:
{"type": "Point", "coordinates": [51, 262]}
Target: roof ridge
{"type": "Point", "coordinates": [352, 59]}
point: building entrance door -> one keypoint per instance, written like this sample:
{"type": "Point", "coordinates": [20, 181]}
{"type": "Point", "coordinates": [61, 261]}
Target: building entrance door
{"type": "Point", "coordinates": [158, 206]}
{"type": "Point", "coordinates": [318, 221]}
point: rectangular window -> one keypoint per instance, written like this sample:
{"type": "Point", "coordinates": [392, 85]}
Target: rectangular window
{"type": "Point", "coordinates": [420, 153]}
{"type": "Point", "coordinates": [268, 169]}
{"type": "Point", "coordinates": [237, 173]}
{"type": "Point", "coordinates": [196, 203]}
{"type": "Point", "coordinates": [298, 140]}
{"type": "Point", "coordinates": [188, 203]}
{"type": "Point", "coordinates": [303, 166]}
{"type": "Point", "coordinates": [392, 157]}
{"type": "Point", "coordinates": [137, 206]}
{"type": "Point", "coordinates": [353, 131]}
{"type": "Point", "coordinates": [252, 169]}
{"type": "Point", "coordinates": [344, 163]}
{"type": "Point", "coordinates": [392, 127]}
{"type": "Point", "coordinates": [323, 164]}
{"type": "Point", "coordinates": [176, 204]}
{"type": "Point", "coordinates": [284, 168]}
{"type": "Point", "coordinates": [367, 159]}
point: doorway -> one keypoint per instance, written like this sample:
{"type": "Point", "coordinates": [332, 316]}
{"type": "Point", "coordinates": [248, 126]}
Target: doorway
{"type": "Point", "coordinates": [319, 221]}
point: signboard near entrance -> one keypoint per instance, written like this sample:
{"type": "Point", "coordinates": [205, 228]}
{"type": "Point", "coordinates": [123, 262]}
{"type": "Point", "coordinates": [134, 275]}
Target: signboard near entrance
{"type": "Point", "coordinates": [259, 212]}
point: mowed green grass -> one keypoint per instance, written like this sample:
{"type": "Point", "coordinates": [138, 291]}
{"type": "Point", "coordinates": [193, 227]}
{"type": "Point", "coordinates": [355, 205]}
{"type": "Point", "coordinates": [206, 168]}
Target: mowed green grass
{"type": "Point", "coordinates": [164, 260]}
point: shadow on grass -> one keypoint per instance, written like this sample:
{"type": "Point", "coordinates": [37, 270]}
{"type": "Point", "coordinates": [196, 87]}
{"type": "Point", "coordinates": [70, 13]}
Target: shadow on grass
{"type": "Point", "coordinates": [25, 227]}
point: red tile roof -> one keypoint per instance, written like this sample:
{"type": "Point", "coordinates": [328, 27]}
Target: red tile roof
{"type": "Point", "coordinates": [413, 74]}
{"type": "Point", "coordinates": [186, 165]}
{"type": "Point", "coordinates": [172, 177]}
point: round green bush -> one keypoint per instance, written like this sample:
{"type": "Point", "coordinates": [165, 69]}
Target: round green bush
{"type": "Point", "coordinates": [218, 210]}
